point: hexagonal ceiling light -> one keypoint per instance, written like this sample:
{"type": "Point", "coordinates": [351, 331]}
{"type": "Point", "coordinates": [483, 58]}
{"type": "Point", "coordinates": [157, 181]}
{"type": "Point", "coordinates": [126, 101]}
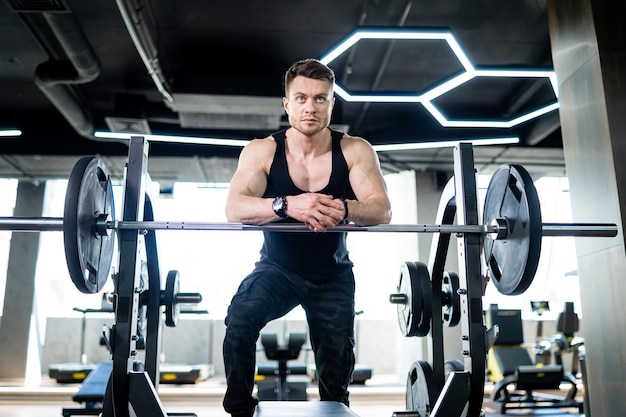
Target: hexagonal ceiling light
{"type": "Point", "coordinates": [427, 97]}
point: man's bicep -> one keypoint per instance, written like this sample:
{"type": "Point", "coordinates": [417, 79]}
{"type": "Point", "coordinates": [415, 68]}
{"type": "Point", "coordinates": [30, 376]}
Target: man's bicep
{"type": "Point", "coordinates": [248, 182]}
{"type": "Point", "coordinates": [366, 177]}
{"type": "Point", "coordinates": [250, 178]}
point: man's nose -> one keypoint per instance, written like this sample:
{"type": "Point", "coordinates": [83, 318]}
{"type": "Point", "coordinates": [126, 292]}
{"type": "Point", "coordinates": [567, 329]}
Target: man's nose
{"type": "Point", "coordinates": [309, 106]}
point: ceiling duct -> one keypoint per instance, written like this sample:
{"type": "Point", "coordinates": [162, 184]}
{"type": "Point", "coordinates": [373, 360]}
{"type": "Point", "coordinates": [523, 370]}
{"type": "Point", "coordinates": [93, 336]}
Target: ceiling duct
{"type": "Point", "coordinates": [128, 125]}
{"type": "Point", "coordinates": [135, 21]}
{"type": "Point", "coordinates": [75, 63]}
{"type": "Point", "coordinates": [204, 111]}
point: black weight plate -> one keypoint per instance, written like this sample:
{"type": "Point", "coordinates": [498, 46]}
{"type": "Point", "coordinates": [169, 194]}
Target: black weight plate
{"type": "Point", "coordinates": [423, 278]}
{"type": "Point", "coordinates": [451, 301]}
{"type": "Point", "coordinates": [407, 311]}
{"type": "Point", "coordinates": [512, 261]}
{"type": "Point", "coordinates": [88, 255]}
{"type": "Point", "coordinates": [172, 308]}
{"type": "Point", "coordinates": [421, 390]}
{"type": "Point", "coordinates": [414, 316]}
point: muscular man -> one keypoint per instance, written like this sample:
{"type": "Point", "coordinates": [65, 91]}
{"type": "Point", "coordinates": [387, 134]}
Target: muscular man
{"type": "Point", "coordinates": [307, 174]}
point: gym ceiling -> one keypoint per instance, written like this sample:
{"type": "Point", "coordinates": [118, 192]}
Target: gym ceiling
{"type": "Point", "coordinates": [70, 68]}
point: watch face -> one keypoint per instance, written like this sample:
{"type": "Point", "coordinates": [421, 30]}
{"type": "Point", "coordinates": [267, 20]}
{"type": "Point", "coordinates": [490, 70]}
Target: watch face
{"type": "Point", "coordinates": [278, 204]}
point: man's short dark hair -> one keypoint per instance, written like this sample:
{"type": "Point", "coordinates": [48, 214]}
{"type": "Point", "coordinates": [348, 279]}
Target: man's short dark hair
{"type": "Point", "coordinates": [310, 68]}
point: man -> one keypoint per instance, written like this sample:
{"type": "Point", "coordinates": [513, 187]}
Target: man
{"type": "Point", "coordinates": [307, 174]}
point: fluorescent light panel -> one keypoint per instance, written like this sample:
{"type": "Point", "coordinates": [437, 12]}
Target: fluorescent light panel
{"type": "Point", "coordinates": [10, 132]}
{"type": "Point", "coordinates": [445, 144]}
{"type": "Point", "coordinates": [196, 140]}
{"type": "Point", "coordinates": [240, 143]}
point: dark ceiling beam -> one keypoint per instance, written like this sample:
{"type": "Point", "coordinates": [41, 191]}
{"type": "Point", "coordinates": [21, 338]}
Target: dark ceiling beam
{"type": "Point", "coordinates": [543, 128]}
{"type": "Point", "coordinates": [383, 65]}
{"type": "Point", "coordinates": [347, 69]}
{"type": "Point", "coordinates": [546, 124]}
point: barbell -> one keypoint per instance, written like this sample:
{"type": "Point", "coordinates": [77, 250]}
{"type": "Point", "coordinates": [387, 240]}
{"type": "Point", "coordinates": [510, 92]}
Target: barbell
{"type": "Point", "coordinates": [512, 226]}
{"type": "Point", "coordinates": [102, 227]}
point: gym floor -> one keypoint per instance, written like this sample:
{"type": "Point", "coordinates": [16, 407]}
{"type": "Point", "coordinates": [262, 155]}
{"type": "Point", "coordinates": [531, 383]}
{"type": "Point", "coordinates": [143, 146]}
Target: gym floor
{"type": "Point", "coordinates": [380, 397]}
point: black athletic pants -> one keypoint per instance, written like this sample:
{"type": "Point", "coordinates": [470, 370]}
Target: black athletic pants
{"type": "Point", "coordinates": [270, 292]}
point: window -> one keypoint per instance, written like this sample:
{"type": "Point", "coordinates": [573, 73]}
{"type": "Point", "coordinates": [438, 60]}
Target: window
{"type": "Point", "coordinates": [213, 263]}
{"type": "Point", "coordinates": [556, 279]}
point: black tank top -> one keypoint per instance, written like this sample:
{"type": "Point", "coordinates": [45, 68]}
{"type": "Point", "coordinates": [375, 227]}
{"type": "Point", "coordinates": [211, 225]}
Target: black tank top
{"type": "Point", "coordinates": [315, 256]}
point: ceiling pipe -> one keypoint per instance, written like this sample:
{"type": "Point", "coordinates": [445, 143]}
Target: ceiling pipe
{"type": "Point", "coordinates": [75, 62]}
{"type": "Point", "coordinates": [131, 14]}
{"type": "Point", "coordinates": [54, 77]}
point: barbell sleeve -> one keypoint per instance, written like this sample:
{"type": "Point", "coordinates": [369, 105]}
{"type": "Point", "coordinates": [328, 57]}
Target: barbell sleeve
{"type": "Point", "coordinates": [579, 229]}
{"type": "Point", "coordinates": [32, 224]}
{"type": "Point", "coordinates": [188, 298]}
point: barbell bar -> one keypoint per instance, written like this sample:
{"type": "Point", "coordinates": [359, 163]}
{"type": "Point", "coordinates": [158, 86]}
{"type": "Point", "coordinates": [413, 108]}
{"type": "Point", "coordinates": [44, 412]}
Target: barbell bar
{"type": "Point", "coordinates": [47, 224]}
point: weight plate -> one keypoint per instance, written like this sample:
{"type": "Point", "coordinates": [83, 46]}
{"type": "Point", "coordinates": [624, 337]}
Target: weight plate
{"type": "Point", "coordinates": [410, 301]}
{"type": "Point", "coordinates": [512, 261]}
{"type": "Point", "coordinates": [423, 276]}
{"type": "Point", "coordinates": [421, 390]}
{"type": "Point", "coordinates": [88, 254]}
{"type": "Point", "coordinates": [172, 308]}
{"type": "Point", "coordinates": [450, 299]}
{"type": "Point", "coordinates": [415, 299]}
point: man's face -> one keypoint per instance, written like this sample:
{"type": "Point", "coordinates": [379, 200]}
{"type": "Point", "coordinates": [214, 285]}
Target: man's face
{"type": "Point", "coordinates": [309, 104]}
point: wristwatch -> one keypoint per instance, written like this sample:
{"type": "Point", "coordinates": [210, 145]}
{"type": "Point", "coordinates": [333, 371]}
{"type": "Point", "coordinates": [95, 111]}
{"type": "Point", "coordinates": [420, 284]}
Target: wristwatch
{"type": "Point", "coordinates": [279, 205]}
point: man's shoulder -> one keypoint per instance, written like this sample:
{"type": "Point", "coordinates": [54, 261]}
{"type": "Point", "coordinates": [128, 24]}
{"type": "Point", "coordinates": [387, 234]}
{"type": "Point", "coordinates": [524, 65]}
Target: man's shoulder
{"type": "Point", "coordinates": [349, 141]}
{"type": "Point", "coordinates": [260, 148]}
{"type": "Point", "coordinates": [260, 143]}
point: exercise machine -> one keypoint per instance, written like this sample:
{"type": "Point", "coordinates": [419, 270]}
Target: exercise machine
{"type": "Point", "coordinates": [282, 381]}
{"type": "Point", "coordinates": [65, 373]}
{"type": "Point", "coordinates": [91, 392]}
{"type": "Point", "coordinates": [516, 377]}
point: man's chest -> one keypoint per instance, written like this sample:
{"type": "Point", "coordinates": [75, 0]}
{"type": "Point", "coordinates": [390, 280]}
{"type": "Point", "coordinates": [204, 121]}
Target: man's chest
{"type": "Point", "coordinates": [312, 174]}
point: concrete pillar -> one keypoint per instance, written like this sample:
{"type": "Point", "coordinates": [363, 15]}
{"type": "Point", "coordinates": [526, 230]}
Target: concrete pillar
{"type": "Point", "coordinates": [18, 328]}
{"type": "Point", "coordinates": [587, 38]}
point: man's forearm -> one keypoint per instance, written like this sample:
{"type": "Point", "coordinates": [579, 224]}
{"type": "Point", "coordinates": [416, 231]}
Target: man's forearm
{"type": "Point", "coordinates": [369, 212]}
